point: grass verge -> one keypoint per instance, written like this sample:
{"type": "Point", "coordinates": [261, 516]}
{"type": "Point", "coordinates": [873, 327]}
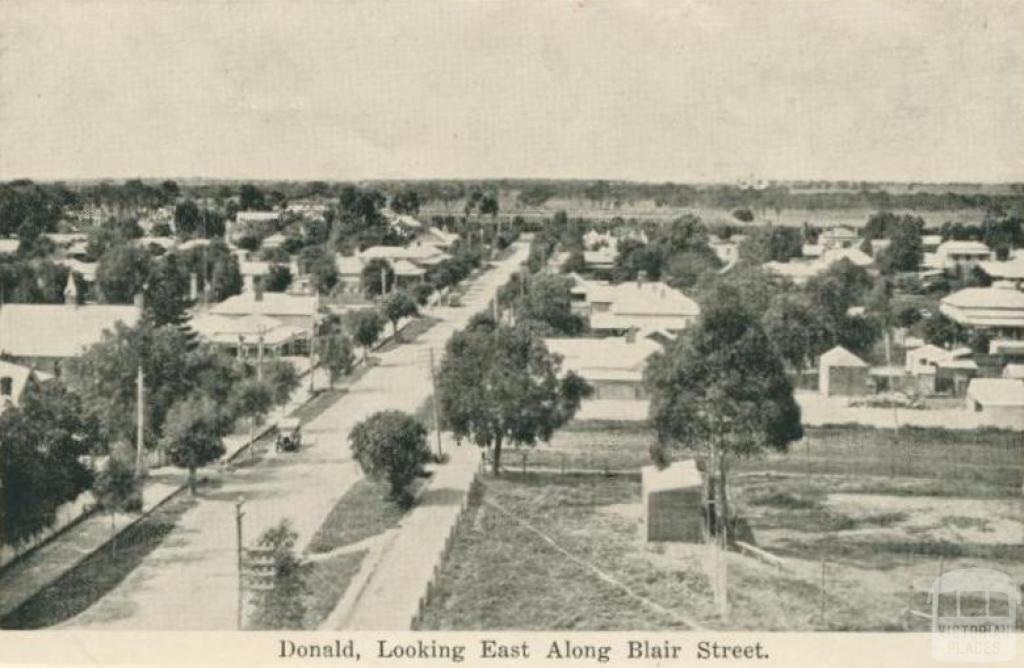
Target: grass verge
{"type": "Point", "coordinates": [326, 583]}
{"type": "Point", "coordinates": [364, 511]}
{"type": "Point", "coordinates": [78, 589]}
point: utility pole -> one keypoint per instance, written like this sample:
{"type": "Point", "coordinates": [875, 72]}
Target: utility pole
{"type": "Point", "coordinates": [140, 420]}
{"type": "Point", "coordinates": [312, 350]}
{"type": "Point", "coordinates": [238, 542]}
{"type": "Point", "coordinates": [437, 420]}
{"type": "Point", "coordinates": [259, 355]}
{"type": "Point", "coordinates": [206, 277]}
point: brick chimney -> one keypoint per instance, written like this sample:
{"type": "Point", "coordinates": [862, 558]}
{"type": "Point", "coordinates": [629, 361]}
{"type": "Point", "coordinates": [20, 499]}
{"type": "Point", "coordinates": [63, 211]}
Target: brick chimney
{"type": "Point", "coordinates": [641, 276]}
{"type": "Point", "coordinates": [631, 335]}
{"type": "Point", "coordinates": [257, 288]}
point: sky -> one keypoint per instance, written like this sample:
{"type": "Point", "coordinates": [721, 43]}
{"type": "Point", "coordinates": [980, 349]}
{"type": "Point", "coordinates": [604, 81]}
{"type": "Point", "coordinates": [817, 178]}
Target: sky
{"type": "Point", "coordinates": [647, 91]}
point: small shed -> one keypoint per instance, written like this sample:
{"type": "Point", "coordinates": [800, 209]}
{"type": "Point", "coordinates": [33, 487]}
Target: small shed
{"type": "Point", "coordinates": [954, 375]}
{"type": "Point", "coordinates": [999, 402]}
{"type": "Point", "coordinates": [841, 373]}
{"type": "Point", "coordinates": [672, 503]}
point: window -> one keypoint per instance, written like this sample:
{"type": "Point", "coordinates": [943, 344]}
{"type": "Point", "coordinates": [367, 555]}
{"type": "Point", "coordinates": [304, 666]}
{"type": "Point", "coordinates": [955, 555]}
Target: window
{"type": "Point", "coordinates": [6, 386]}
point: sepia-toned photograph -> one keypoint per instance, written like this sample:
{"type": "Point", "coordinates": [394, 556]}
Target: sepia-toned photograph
{"type": "Point", "coordinates": [663, 318]}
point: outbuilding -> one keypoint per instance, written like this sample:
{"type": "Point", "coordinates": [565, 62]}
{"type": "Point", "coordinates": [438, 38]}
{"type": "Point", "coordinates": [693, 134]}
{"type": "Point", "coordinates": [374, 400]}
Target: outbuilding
{"type": "Point", "coordinates": [999, 401]}
{"type": "Point", "coordinates": [841, 373]}
{"type": "Point", "coordinates": [672, 503]}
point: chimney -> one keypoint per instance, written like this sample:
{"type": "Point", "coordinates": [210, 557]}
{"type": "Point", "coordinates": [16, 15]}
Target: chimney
{"type": "Point", "coordinates": [139, 300]}
{"type": "Point", "coordinates": [248, 283]}
{"type": "Point", "coordinates": [257, 288]}
{"type": "Point", "coordinates": [641, 276]}
{"type": "Point", "coordinates": [193, 287]}
{"type": "Point", "coordinates": [631, 335]}
{"type": "Point", "coordinates": [71, 291]}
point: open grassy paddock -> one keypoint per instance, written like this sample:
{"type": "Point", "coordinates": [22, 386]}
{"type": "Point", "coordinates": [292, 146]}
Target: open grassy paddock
{"type": "Point", "coordinates": [880, 517]}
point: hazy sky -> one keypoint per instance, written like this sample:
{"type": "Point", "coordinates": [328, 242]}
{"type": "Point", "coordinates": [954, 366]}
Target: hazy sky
{"type": "Point", "coordinates": [908, 91]}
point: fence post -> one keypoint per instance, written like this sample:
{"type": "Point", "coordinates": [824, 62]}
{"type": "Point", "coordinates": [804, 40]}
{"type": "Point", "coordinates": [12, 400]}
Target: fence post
{"type": "Point", "coordinates": [821, 612]}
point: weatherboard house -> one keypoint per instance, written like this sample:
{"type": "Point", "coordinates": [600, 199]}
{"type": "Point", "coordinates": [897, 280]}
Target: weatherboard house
{"type": "Point", "coordinates": [43, 336]}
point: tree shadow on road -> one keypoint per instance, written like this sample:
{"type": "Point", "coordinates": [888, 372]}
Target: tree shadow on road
{"type": "Point", "coordinates": [81, 587]}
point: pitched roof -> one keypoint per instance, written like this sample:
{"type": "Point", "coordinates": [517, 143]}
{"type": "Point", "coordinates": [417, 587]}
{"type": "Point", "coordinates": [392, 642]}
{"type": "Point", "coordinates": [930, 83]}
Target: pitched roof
{"type": "Point", "coordinates": [253, 268]}
{"type": "Point", "coordinates": [440, 236]}
{"type": "Point", "coordinates": [256, 216]}
{"type": "Point", "coordinates": [58, 330]}
{"type": "Point", "coordinates": [19, 376]}
{"type": "Point", "coordinates": [271, 303]}
{"type": "Point", "coordinates": [1013, 371]}
{"type": "Point", "coordinates": [677, 475]}
{"type": "Point", "coordinates": [997, 391]}
{"type": "Point", "coordinates": [840, 232]}
{"type": "Point", "coordinates": [1013, 270]}
{"type": "Point", "coordinates": [349, 265]}
{"type": "Point", "coordinates": [651, 299]}
{"type": "Point", "coordinates": [997, 298]}
{"type": "Point", "coordinates": [227, 330]}
{"type": "Point", "coordinates": [840, 356]}
{"type": "Point", "coordinates": [604, 359]}
{"type": "Point", "coordinates": [406, 268]}
{"type": "Point", "coordinates": [963, 247]}
{"type": "Point", "coordinates": [854, 255]}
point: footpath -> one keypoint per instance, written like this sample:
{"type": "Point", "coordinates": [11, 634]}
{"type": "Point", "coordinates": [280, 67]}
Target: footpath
{"type": "Point", "coordinates": [35, 570]}
{"type": "Point", "coordinates": [387, 592]}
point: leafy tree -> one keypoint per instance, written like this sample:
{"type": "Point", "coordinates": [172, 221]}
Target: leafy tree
{"type": "Point", "coordinates": [546, 307]}
{"type": "Point", "coordinates": [279, 278]}
{"type": "Point", "coordinates": [575, 263]}
{"type": "Point", "coordinates": [942, 331]}
{"type": "Point", "coordinates": [117, 490]}
{"type": "Point", "coordinates": [422, 293]}
{"type": "Point", "coordinates": [488, 205]}
{"type": "Point", "coordinates": [684, 269]}
{"type": "Point", "coordinates": [104, 376]}
{"type": "Point", "coordinates": [407, 201]}
{"type": "Point", "coordinates": [122, 273]}
{"type": "Point", "coordinates": [398, 305]}
{"type": "Point", "coordinates": [391, 445]}
{"type": "Point", "coordinates": [225, 277]}
{"type": "Point", "coordinates": [321, 266]}
{"type": "Point", "coordinates": [771, 243]}
{"type": "Point", "coordinates": [371, 277]}
{"type": "Point", "coordinates": [192, 435]}
{"type": "Point", "coordinates": [336, 354]}
{"type": "Point", "coordinates": [744, 215]}
{"type": "Point", "coordinates": [365, 326]}
{"type": "Point", "coordinates": [187, 218]}
{"type": "Point", "coordinates": [721, 387]}
{"type": "Point", "coordinates": [790, 324]}
{"type": "Point", "coordinates": [166, 295]}
{"type": "Point", "coordinates": [635, 257]}
{"type": "Point", "coordinates": [282, 378]}
{"type": "Point", "coordinates": [906, 251]}
{"type": "Point", "coordinates": [253, 399]}
{"type": "Point", "coordinates": [282, 606]}
{"type": "Point", "coordinates": [250, 198]}
{"type": "Point", "coordinates": [756, 285]}
{"type": "Point", "coordinates": [42, 441]}
{"type": "Point", "coordinates": [503, 385]}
